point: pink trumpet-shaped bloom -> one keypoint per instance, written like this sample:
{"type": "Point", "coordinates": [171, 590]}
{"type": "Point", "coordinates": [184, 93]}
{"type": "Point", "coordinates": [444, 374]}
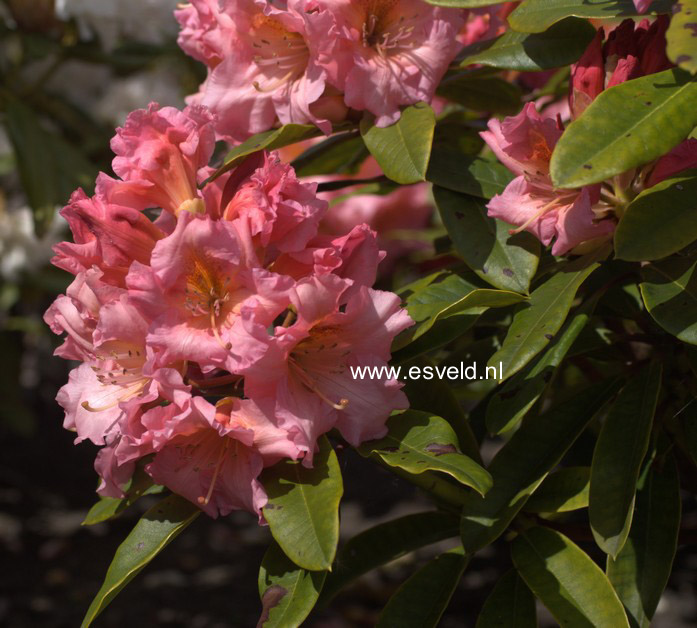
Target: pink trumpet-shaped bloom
{"type": "Point", "coordinates": [307, 365]}
{"type": "Point", "coordinates": [159, 153]}
{"type": "Point", "coordinates": [194, 289]}
{"type": "Point", "coordinates": [279, 212]}
{"type": "Point", "coordinates": [260, 66]}
{"type": "Point", "coordinates": [524, 144]}
{"type": "Point", "coordinates": [384, 54]}
{"type": "Point", "coordinates": [106, 235]}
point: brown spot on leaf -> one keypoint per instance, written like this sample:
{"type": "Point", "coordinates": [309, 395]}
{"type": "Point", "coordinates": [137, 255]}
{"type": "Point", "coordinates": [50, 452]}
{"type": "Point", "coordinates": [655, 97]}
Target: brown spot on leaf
{"type": "Point", "coordinates": [588, 166]}
{"type": "Point", "coordinates": [549, 336]}
{"type": "Point", "coordinates": [271, 598]}
{"type": "Point", "coordinates": [508, 272]}
{"type": "Point", "coordinates": [438, 449]}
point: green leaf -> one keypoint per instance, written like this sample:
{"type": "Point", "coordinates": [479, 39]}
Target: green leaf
{"type": "Point", "coordinates": [402, 149]}
{"type": "Point", "coordinates": [505, 261]}
{"type": "Point", "coordinates": [626, 429]}
{"type": "Point", "coordinates": [510, 605]}
{"type": "Point", "coordinates": [520, 393]}
{"type": "Point", "coordinates": [342, 153]}
{"type": "Point", "coordinates": [422, 599]}
{"type": "Point", "coordinates": [641, 570]}
{"type": "Point", "coordinates": [109, 507]}
{"type": "Point", "coordinates": [562, 491]}
{"type": "Point", "coordinates": [626, 126]}
{"type": "Point", "coordinates": [535, 16]}
{"type": "Point", "coordinates": [419, 441]}
{"type": "Point", "coordinates": [437, 396]}
{"type": "Point", "coordinates": [450, 295]}
{"type": "Point", "coordinates": [669, 290]}
{"type": "Point", "coordinates": [644, 234]}
{"type": "Point", "coordinates": [49, 168]}
{"type": "Point", "coordinates": [155, 529]}
{"type": "Point", "coordinates": [521, 464]}
{"type": "Point", "coordinates": [288, 593]}
{"type": "Point", "coordinates": [536, 322]}
{"type": "Point", "coordinates": [442, 332]}
{"type": "Point", "coordinates": [451, 169]}
{"type": "Point", "coordinates": [561, 45]}
{"type": "Point", "coordinates": [566, 580]}
{"type": "Point", "coordinates": [268, 140]}
{"type": "Point", "coordinates": [680, 37]}
{"type": "Point", "coordinates": [387, 542]}
{"type": "Point", "coordinates": [303, 507]}
{"type": "Point", "coordinates": [491, 94]}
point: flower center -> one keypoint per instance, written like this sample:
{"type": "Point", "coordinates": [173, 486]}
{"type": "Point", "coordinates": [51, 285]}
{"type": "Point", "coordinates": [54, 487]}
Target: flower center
{"type": "Point", "coordinates": [207, 293]}
{"type": "Point", "coordinates": [280, 55]}
{"type": "Point", "coordinates": [119, 364]}
{"type": "Point", "coordinates": [385, 30]}
{"type": "Point", "coordinates": [318, 357]}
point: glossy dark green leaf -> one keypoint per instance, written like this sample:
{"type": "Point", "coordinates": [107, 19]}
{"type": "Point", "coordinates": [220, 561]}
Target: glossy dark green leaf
{"type": "Point", "coordinates": [268, 140]}
{"type": "Point", "coordinates": [520, 393]}
{"type": "Point", "coordinates": [535, 16]}
{"type": "Point", "coordinates": [561, 45]}
{"type": "Point", "coordinates": [303, 507]}
{"type": "Point", "coordinates": [422, 599]}
{"type": "Point", "coordinates": [627, 429]}
{"type": "Point", "coordinates": [523, 463]}
{"type": "Point", "coordinates": [640, 572]}
{"type": "Point", "coordinates": [442, 332]}
{"type": "Point", "coordinates": [387, 542]}
{"type": "Point", "coordinates": [669, 290]}
{"type": "Point", "coordinates": [453, 170]}
{"type": "Point", "coordinates": [491, 94]}
{"type": "Point", "coordinates": [342, 153]}
{"type": "Point", "coordinates": [626, 126]}
{"type": "Point", "coordinates": [109, 507]}
{"type": "Point", "coordinates": [419, 441]}
{"type": "Point", "coordinates": [454, 296]}
{"type": "Point", "coordinates": [288, 593]}
{"type": "Point", "coordinates": [403, 149]}
{"type": "Point", "coordinates": [155, 529]}
{"type": "Point", "coordinates": [436, 395]}
{"type": "Point", "coordinates": [680, 37]}
{"type": "Point", "coordinates": [510, 605]}
{"type": "Point", "coordinates": [505, 261]}
{"type": "Point", "coordinates": [566, 580]}
{"type": "Point", "coordinates": [537, 321]}
{"type": "Point", "coordinates": [644, 234]}
{"type": "Point", "coordinates": [562, 491]}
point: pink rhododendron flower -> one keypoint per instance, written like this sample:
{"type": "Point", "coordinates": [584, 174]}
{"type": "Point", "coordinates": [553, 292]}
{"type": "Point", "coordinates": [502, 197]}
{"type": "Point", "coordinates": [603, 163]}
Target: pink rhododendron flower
{"type": "Point", "coordinates": [278, 211]}
{"type": "Point", "coordinates": [630, 51]}
{"type": "Point", "coordinates": [524, 144]}
{"type": "Point", "coordinates": [230, 288]}
{"type": "Point", "coordinates": [159, 153]}
{"type": "Point", "coordinates": [194, 289]}
{"type": "Point", "coordinates": [384, 54]}
{"type": "Point", "coordinates": [107, 235]}
{"type": "Point", "coordinates": [260, 66]}
{"type": "Point", "coordinates": [306, 367]}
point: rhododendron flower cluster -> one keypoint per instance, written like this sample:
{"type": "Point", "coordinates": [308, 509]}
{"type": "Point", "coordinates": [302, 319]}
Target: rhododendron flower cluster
{"type": "Point", "coordinates": [524, 143]}
{"type": "Point", "coordinates": [215, 327]}
{"type": "Point", "coordinates": [313, 60]}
